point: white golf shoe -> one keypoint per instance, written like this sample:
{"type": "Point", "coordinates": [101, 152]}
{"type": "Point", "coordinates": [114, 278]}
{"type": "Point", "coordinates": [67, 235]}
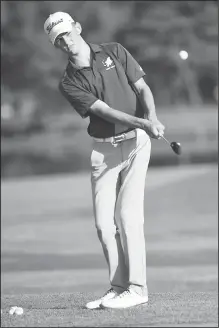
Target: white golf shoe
{"type": "Point", "coordinates": [124, 300]}
{"type": "Point", "coordinates": [107, 296]}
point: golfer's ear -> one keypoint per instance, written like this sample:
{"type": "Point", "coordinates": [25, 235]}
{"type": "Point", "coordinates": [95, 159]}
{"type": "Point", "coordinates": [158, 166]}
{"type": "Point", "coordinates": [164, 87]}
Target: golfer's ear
{"type": "Point", "coordinates": [78, 28]}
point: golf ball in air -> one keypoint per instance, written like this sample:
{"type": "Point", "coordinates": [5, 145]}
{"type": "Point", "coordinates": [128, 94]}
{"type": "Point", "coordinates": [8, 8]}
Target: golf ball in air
{"type": "Point", "coordinates": [16, 310]}
{"type": "Point", "coordinates": [183, 54]}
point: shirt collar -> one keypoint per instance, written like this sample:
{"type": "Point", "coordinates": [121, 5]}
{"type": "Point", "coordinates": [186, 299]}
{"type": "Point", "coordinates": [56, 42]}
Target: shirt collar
{"type": "Point", "coordinates": [95, 47]}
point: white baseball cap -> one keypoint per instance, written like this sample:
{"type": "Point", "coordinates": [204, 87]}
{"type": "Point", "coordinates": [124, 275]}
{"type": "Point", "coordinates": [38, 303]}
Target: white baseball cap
{"type": "Point", "coordinates": [56, 24]}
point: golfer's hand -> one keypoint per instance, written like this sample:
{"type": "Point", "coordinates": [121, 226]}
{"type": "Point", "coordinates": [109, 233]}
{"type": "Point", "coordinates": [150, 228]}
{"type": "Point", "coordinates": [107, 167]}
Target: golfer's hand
{"type": "Point", "coordinates": [155, 129]}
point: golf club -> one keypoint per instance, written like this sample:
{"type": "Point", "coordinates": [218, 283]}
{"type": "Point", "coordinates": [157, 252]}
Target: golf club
{"type": "Point", "coordinates": [176, 147]}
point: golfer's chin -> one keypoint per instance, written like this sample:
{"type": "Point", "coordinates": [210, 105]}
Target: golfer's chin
{"type": "Point", "coordinates": [72, 50]}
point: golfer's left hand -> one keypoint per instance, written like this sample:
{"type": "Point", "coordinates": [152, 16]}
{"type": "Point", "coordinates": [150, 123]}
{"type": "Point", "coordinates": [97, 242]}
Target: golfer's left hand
{"type": "Point", "coordinates": [159, 128]}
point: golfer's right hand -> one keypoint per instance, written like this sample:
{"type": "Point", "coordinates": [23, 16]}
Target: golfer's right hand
{"type": "Point", "coordinates": [154, 129]}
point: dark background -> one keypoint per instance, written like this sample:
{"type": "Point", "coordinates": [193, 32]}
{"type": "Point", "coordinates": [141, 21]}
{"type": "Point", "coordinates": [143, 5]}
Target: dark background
{"type": "Point", "coordinates": [42, 134]}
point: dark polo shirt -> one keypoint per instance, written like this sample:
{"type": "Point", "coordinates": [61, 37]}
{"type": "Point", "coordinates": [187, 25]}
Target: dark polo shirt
{"type": "Point", "coordinates": [110, 78]}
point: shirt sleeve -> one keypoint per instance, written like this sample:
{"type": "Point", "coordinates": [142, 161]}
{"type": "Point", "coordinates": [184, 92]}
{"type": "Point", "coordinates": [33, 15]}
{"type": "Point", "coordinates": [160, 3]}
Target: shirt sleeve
{"type": "Point", "coordinates": [132, 69]}
{"type": "Point", "coordinates": [78, 97]}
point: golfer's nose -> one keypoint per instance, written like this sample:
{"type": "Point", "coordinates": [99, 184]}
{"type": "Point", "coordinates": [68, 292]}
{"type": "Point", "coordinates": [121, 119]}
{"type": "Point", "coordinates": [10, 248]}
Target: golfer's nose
{"type": "Point", "coordinates": [65, 38]}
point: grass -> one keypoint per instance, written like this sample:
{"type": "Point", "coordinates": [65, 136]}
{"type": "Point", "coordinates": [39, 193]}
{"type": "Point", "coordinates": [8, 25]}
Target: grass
{"type": "Point", "coordinates": [52, 262]}
{"type": "Point", "coordinates": [66, 310]}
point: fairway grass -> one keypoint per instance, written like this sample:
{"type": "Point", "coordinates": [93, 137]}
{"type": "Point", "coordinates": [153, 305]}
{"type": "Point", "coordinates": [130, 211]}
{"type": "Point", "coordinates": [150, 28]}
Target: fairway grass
{"type": "Point", "coordinates": [67, 310]}
{"type": "Point", "coordinates": [52, 261]}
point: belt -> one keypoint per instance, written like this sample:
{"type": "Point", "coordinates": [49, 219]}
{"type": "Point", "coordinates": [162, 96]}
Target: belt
{"type": "Point", "coordinates": [118, 138]}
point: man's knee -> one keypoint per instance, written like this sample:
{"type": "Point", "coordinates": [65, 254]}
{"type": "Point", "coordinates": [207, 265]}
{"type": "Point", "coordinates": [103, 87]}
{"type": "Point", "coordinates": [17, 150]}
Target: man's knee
{"type": "Point", "coordinates": [131, 216]}
{"type": "Point", "coordinates": [132, 222]}
{"type": "Point", "coordinates": [105, 233]}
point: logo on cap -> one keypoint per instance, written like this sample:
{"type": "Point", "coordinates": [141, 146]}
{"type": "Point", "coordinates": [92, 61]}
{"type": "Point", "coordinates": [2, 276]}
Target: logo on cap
{"type": "Point", "coordinates": [50, 26]}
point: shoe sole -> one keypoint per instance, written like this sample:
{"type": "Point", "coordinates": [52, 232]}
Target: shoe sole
{"type": "Point", "coordinates": [120, 308]}
{"type": "Point", "coordinates": [93, 308]}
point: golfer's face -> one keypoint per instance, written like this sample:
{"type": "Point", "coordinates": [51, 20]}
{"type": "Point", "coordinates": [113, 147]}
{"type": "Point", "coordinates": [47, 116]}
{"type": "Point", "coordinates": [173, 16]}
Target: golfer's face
{"type": "Point", "coordinates": [67, 42]}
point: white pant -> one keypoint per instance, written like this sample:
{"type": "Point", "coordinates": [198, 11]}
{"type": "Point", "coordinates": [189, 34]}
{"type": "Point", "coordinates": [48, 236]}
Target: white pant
{"type": "Point", "coordinates": [118, 180]}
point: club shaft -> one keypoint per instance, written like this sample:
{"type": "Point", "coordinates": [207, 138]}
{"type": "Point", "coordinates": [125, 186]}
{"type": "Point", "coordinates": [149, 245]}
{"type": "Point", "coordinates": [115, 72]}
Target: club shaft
{"type": "Point", "coordinates": [165, 139]}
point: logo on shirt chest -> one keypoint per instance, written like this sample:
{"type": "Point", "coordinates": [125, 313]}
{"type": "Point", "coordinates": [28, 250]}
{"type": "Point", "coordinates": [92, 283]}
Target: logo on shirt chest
{"type": "Point", "coordinates": [108, 63]}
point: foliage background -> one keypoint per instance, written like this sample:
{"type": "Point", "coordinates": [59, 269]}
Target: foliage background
{"type": "Point", "coordinates": [40, 131]}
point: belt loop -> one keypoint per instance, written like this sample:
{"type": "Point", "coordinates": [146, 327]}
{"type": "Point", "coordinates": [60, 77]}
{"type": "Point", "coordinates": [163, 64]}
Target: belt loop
{"type": "Point", "coordinates": [119, 138]}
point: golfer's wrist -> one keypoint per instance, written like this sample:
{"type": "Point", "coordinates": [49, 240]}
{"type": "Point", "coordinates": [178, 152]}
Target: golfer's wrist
{"type": "Point", "coordinates": [152, 118]}
{"type": "Point", "coordinates": [144, 123]}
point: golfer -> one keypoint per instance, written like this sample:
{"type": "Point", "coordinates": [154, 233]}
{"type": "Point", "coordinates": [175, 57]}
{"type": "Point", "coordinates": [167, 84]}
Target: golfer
{"type": "Point", "coordinates": [105, 83]}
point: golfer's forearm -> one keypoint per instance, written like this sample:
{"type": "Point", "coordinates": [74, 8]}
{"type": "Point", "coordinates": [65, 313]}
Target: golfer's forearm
{"type": "Point", "coordinates": [115, 116]}
{"type": "Point", "coordinates": [147, 101]}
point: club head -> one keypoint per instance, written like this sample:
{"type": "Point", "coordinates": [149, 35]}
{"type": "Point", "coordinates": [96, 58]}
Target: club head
{"type": "Point", "coordinates": [176, 147]}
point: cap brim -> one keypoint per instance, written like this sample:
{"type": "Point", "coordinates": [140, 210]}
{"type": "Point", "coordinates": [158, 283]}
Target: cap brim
{"type": "Point", "coordinates": [62, 27]}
